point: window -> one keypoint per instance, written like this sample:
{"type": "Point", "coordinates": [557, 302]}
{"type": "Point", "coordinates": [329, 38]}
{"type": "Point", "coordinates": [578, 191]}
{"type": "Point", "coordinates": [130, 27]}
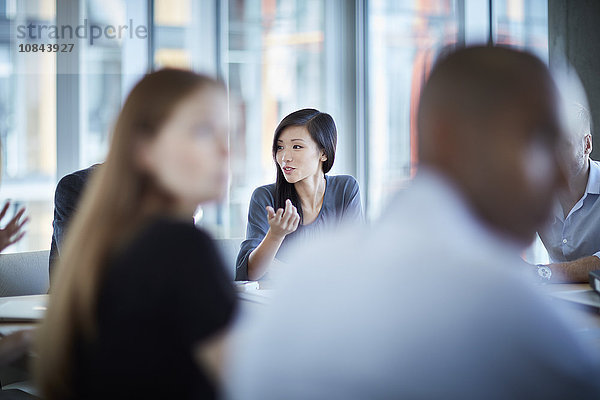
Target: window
{"type": "Point", "coordinates": [28, 118]}
{"type": "Point", "coordinates": [404, 38]}
{"type": "Point", "coordinates": [522, 23]}
{"type": "Point", "coordinates": [103, 70]}
{"type": "Point", "coordinates": [185, 35]}
{"type": "Point", "coordinates": [363, 62]}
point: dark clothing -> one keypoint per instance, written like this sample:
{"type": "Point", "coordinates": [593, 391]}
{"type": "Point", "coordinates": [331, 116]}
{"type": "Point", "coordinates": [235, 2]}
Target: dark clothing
{"type": "Point", "coordinates": [66, 197]}
{"type": "Point", "coordinates": [16, 394]}
{"type": "Point", "coordinates": [341, 204]}
{"type": "Point", "coordinates": [166, 292]}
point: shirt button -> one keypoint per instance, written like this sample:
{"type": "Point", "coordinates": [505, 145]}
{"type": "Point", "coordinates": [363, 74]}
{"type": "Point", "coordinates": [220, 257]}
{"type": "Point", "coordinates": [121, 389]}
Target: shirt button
{"type": "Point", "coordinates": [564, 240]}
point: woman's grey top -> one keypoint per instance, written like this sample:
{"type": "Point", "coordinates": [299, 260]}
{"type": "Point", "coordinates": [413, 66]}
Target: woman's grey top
{"type": "Point", "coordinates": [341, 203]}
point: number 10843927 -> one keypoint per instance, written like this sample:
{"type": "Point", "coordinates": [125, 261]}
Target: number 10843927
{"type": "Point", "coordinates": [46, 48]}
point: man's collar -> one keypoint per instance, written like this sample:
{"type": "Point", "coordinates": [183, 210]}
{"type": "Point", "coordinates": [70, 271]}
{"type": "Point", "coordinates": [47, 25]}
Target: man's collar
{"type": "Point", "coordinates": [593, 184]}
{"type": "Point", "coordinates": [458, 207]}
{"type": "Point", "coordinates": [592, 187]}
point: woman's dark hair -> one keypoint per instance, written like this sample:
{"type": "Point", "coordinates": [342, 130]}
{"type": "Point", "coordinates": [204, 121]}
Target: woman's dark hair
{"type": "Point", "coordinates": [321, 128]}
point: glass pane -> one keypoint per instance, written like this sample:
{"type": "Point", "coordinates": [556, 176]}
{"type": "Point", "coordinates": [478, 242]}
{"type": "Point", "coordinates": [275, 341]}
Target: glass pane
{"type": "Point", "coordinates": [404, 38]}
{"type": "Point", "coordinates": [185, 37]}
{"type": "Point", "coordinates": [523, 23]}
{"type": "Point", "coordinates": [28, 116]}
{"type": "Point", "coordinates": [108, 69]}
{"type": "Point", "coordinates": [174, 33]}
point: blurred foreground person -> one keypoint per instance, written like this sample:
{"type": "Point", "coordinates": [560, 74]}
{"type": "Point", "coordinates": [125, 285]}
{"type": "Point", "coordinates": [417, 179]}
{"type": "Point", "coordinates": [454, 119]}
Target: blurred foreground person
{"type": "Point", "coordinates": [433, 301]}
{"type": "Point", "coordinates": [140, 294]}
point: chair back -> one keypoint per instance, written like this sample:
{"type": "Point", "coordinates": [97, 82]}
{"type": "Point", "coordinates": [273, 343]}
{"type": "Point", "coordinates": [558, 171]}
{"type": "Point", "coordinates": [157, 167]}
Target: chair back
{"type": "Point", "coordinates": [24, 273]}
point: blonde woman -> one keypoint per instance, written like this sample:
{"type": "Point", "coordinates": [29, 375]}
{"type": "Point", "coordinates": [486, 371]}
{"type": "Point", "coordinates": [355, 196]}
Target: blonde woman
{"type": "Point", "coordinates": [140, 293]}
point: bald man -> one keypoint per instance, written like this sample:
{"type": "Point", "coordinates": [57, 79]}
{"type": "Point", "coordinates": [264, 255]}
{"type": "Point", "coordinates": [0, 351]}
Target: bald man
{"type": "Point", "coordinates": [433, 301]}
{"type": "Point", "coordinates": [572, 238]}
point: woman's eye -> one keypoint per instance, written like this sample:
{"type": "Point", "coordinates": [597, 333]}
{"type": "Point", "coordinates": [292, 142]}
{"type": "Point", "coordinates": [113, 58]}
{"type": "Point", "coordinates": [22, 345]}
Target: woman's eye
{"type": "Point", "coordinates": [297, 146]}
{"type": "Point", "coordinates": [279, 147]}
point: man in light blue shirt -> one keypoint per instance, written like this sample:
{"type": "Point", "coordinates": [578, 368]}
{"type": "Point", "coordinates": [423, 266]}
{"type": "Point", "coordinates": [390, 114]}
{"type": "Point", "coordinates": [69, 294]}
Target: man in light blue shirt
{"type": "Point", "coordinates": [573, 236]}
{"type": "Point", "coordinates": [432, 301]}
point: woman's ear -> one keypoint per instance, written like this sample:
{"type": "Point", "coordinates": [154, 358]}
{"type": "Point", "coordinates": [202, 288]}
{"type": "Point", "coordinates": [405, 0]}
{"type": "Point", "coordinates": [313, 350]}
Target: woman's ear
{"type": "Point", "coordinates": [323, 156]}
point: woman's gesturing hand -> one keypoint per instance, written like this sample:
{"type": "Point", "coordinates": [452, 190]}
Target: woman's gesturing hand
{"type": "Point", "coordinates": [13, 231]}
{"type": "Point", "coordinates": [283, 222]}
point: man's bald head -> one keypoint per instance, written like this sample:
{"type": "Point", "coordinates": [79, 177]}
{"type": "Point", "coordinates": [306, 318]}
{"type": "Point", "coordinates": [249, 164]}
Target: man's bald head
{"type": "Point", "coordinates": [488, 121]}
{"type": "Point", "coordinates": [469, 86]}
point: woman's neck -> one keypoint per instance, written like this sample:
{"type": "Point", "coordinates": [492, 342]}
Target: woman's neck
{"type": "Point", "coordinates": [162, 204]}
{"type": "Point", "coordinates": [311, 191]}
{"type": "Point", "coordinates": [184, 211]}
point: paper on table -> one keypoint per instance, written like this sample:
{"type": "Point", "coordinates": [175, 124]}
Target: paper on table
{"type": "Point", "coordinates": [23, 308]}
{"type": "Point", "coordinates": [243, 286]}
{"type": "Point", "coordinates": [585, 297]}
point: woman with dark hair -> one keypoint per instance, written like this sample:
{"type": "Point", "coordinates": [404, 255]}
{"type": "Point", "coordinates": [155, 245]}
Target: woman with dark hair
{"type": "Point", "coordinates": [303, 201]}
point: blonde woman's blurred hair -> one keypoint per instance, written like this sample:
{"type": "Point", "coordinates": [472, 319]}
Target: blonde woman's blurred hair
{"type": "Point", "coordinates": [118, 199]}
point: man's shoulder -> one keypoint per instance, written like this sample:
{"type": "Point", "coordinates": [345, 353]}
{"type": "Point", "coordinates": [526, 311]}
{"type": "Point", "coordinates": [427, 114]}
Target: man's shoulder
{"type": "Point", "coordinates": [70, 187]}
{"type": "Point", "coordinates": [76, 179]}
